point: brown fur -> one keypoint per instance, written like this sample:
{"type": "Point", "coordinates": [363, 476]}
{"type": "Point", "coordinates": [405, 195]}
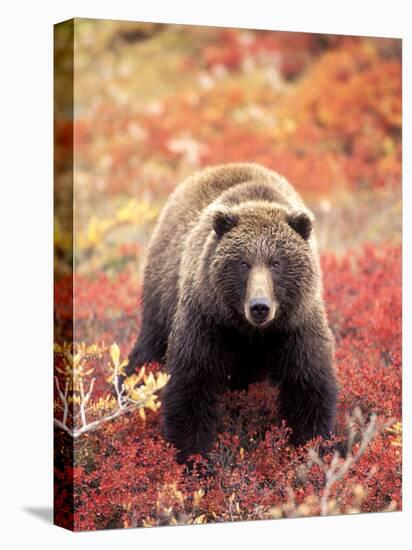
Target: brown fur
{"type": "Point", "coordinates": [196, 299]}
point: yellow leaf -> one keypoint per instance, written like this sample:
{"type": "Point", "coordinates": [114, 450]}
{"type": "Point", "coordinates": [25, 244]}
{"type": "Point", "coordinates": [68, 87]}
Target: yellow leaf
{"type": "Point", "coordinates": [115, 354]}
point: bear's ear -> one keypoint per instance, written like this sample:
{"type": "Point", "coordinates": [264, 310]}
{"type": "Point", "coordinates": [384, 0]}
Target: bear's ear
{"type": "Point", "coordinates": [224, 221]}
{"type": "Point", "coordinates": [302, 223]}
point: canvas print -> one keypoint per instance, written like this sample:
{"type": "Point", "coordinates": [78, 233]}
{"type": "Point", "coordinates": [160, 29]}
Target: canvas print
{"type": "Point", "coordinates": [228, 341]}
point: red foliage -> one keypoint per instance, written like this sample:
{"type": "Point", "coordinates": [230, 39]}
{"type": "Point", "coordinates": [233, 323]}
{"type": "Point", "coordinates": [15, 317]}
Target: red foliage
{"type": "Point", "coordinates": [338, 127]}
{"type": "Point", "coordinates": [350, 107]}
{"type": "Point", "coordinates": [365, 310]}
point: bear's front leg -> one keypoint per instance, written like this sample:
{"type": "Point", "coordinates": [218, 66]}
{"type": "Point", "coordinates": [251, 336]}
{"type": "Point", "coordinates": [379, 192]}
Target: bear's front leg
{"type": "Point", "coordinates": [189, 416]}
{"type": "Point", "coordinates": [196, 363]}
{"type": "Point", "coordinates": [307, 383]}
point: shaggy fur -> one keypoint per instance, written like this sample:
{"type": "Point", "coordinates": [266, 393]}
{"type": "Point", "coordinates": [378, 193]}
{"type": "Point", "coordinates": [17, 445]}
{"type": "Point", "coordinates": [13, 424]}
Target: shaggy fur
{"type": "Point", "coordinates": [218, 228]}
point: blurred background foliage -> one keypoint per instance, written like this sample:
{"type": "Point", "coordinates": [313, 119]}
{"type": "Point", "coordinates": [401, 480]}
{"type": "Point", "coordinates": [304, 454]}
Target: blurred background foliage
{"type": "Point", "coordinates": [153, 103]}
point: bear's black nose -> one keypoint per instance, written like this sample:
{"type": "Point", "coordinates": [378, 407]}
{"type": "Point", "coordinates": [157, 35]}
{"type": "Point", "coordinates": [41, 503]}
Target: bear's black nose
{"type": "Point", "coordinates": [259, 308]}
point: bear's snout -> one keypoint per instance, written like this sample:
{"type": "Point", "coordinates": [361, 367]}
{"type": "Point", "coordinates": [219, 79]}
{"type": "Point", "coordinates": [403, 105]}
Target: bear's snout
{"type": "Point", "coordinates": [260, 306]}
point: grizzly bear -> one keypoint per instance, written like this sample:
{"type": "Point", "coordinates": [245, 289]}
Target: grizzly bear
{"type": "Point", "coordinates": [232, 293]}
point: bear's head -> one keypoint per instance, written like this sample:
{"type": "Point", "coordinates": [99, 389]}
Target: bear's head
{"type": "Point", "coordinates": [263, 266]}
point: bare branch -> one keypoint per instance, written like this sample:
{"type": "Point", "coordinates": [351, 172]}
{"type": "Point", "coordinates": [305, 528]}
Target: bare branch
{"type": "Point", "coordinates": [64, 401]}
{"type": "Point", "coordinates": [338, 468]}
{"type": "Point", "coordinates": [124, 402]}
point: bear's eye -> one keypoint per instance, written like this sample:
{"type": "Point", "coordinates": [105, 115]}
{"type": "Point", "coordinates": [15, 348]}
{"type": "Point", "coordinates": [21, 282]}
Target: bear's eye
{"type": "Point", "coordinates": [244, 266]}
{"type": "Point", "coordinates": [275, 265]}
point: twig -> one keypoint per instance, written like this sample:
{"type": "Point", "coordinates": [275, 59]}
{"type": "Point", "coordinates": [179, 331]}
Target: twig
{"type": "Point", "coordinates": [77, 432]}
{"type": "Point", "coordinates": [337, 469]}
{"type": "Point", "coordinates": [79, 423]}
{"type": "Point", "coordinates": [127, 406]}
{"type": "Point", "coordinates": [84, 399]}
{"type": "Point", "coordinates": [63, 398]}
